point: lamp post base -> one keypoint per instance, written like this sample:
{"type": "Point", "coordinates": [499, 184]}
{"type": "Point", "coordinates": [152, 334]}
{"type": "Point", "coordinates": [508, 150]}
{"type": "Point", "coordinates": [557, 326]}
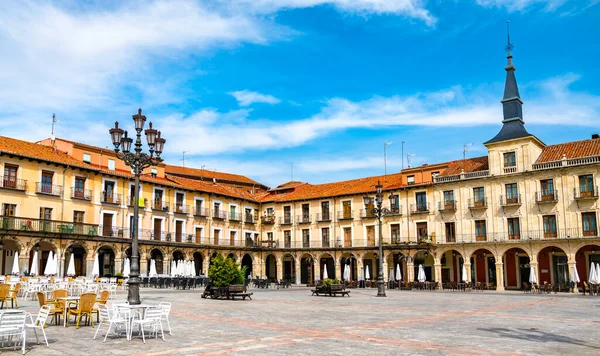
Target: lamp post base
{"type": "Point", "coordinates": [133, 291]}
{"type": "Point", "coordinates": [381, 289]}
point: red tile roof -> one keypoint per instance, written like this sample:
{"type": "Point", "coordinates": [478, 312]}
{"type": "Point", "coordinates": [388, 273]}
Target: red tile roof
{"type": "Point", "coordinates": [575, 149]}
{"type": "Point", "coordinates": [216, 188]}
{"type": "Point", "coordinates": [203, 173]}
{"type": "Point", "coordinates": [469, 165]}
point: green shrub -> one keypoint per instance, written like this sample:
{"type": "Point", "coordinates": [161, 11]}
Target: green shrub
{"type": "Point", "coordinates": [225, 271]}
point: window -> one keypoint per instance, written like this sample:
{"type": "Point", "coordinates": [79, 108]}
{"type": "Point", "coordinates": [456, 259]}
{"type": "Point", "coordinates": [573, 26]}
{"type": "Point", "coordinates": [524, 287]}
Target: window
{"type": "Point", "coordinates": [154, 172]}
{"type": "Point", "coordinates": [198, 231]}
{"type": "Point", "coordinates": [217, 210]}
{"type": "Point", "coordinates": [512, 193]}
{"type": "Point", "coordinates": [325, 237]}
{"type": "Point", "coordinates": [9, 209]}
{"type": "Point", "coordinates": [111, 164]}
{"type": "Point", "coordinates": [287, 238]}
{"type": "Point", "coordinates": [509, 159]}
{"type": "Point", "coordinates": [305, 238]}
{"type": "Point", "coordinates": [586, 185]}
{"type": "Point", "coordinates": [109, 192]}
{"type": "Point", "coordinates": [269, 236]}
{"type": "Point", "coordinates": [179, 203]}
{"type": "Point", "coordinates": [371, 235]}
{"type": "Point", "coordinates": [248, 216]}
{"type": "Point", "coordinates": [449, 199]}
{"type": "Point", "coordinates": [78, 217]}
{"type": "Point", "coordinates": [369, 208]}
{"type": "Point", "coordinates": [410, 180]}
{"type": "Point", "coordinates": [547, 189]}
{"type": "Point", "coordinates": [589, 224]}
{"type": "Point", "coordinates": [78, 192]}
{"type": "Point", "coordinates": [549, 225]}
{"type": "Point", "coordinates": [450, 232]}
{"type": "Point", "coordinates": [199, 207]}
{"type": "Point", "coordinates": [158, 197]}
{"type": "Point", "coordinates": [347, 209]}
{"type": "Point", "coordinates": [287, 214]}
{"type": "Point", "coordinates": [232, 212]}
{"type": "Point", "coordinates": [395, 204]}
{"type": "Point", "coordinates": [325, 210]}
{"type": "Point", "coordinates": [347, 237]}
{"type": "Point", "coordinates": [421, 198]}
{"type": "Point", "coordinates": [513, 229]}
{"type": "Point", "coordinates": [270, 211]}
{"type": "Point", "coordinates": [479, 196]}
{"type": "Point", "coordinates": [480, 230]}
{"type": "Point", "coordinates": [47, 182]}
{"type": "Point", "coordinates": [46, 213]}
{"type": "Point", "coordinates": [10, 176]}
{"type": "Point", "coordinates": [422, 230]}
{"type": "Point", "coordinates": [87, 158]}
{"type": "Point", "coordinates": [395, 232]}
{"type": "Point", "coordinates": [305, 213]}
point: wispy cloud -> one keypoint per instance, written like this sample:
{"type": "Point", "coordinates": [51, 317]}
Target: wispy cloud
{"type": "Point", "coordinates": [247, 98]}
{"type": "Point", "coordinates": [520, 5]}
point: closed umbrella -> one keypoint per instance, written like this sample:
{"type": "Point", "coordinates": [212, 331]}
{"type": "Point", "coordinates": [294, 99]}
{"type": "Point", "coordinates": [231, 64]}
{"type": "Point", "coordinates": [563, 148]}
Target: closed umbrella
{"type": "Point", "coordinates": [173, 268]}
{"type": "Point", "coordinates": [421, 276]}
{"type": "Point", "coordinates": [532, 276]}
{"type": "Point", "coordinates": [592, 278]}
{"type": "Point", "coordinates": [464, 274]}
{"type": "Point", "coordinates": [35, 269]}
{"type": "Point", "coordinates": [325, 276]}
{"type": "Point", "coordinates": [15, 267]}
{"type": "Point", "coordinates": [398, 273]}
{"type": "Point", "coordinates": [96, 267]}
{"type": "Point", "coordinates": [152, 269]}
{"type": "Point", "coordinates": [55, 264]}
{"type": "Point", "coordinates": [367, 275]}
{"type": "Point", "coordinates": [348, 272]}
{"type": "Point", "coordinates": [71, 268]}
{"type": "Point", "coordinates": [575, 276]}
{"type": "Point", "coordinates": [597, 273]}
{"type": "Point", "coordinates": [181, 268]}
{"type": "Point", "coordinates": [49, 263]}
{"type": "Point", "coordinates": [126, 268]}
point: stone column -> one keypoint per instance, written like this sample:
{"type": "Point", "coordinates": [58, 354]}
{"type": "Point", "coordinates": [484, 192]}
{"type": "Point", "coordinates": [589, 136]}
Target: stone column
{"type": "Point", "coordinates": [205, 264]}
{"type": "Point", "coordinates": [23, 265]}
{"type": "Point", "coordinates": [143, 267]}
{"type": "Point", "coordinates": [385, 272]}
{"type": "Point", "coordinates": [410, 273]}
{"type": "Point", "coordinates": [118, 265]}
{"type": "Point", "coordinates": [537, 272]}
{"type": "Point", "coordinates": [336, 268]}
{"type": "Point", "coordinates": [297, 267]}
{"type": "Point", "coordinates": [571, 268]}
{"type": "Point", "coordinates": [468, 268]}
{"type": "Point", "coordinates": [89, 265]}
{"type": "Point", "coordinates": [499, 274]}
{"type": "Point", "coordinates": [438, 273]}
{"type": "Point", "coordinates": [279, 269]}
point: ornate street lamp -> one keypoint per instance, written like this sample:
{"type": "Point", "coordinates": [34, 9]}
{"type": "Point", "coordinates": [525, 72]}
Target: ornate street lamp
{"type": "Point", "coordinates": [138, 161]}
{"type": "Point", "coordinates": [379, 212]}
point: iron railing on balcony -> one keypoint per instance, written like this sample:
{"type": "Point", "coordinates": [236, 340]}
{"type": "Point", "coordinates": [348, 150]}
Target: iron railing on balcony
{"type": "Point", "coordinates": [141, 202]}
{"type": "Point", "coordinates": [79, 193]}
{"type": "Point", "coordinates": [324, 216]}
{"type": "Point", "coordinates": [181, 208]}
{"type": "Point", "coordinates": [397, 210]}
{"type": "Point", "coordinates": [419, 208]}
{"type": "Point", "coordinates": [286, 219]}
{"type": "Point", "coordinates": [249, 219]}
{"type": "Point", "coordinates": [234, 216]}
{"type": "Point", "coordinates": [345, 215]}
{"type": "Point", "coordinates": [13, 183]}
{"type": "Point", "coordinates": [267, 219]}
{"type": "Point", "coordinates": [303, 219]}
{"type": "Point", "coordinates": [49, 189]}
{"type": "Point", "coordinates": [201, 212]}
{"type": "Point", "coordinates": [477, 203]}
{"type": "Point", "coordinates": [586, 193]}
{"type": "Point", "coordinates": [219, 214]}
{"type": "Point", "coordinates": [546, 197]}
{"type": "Point", "coordinates": [160, 205]}
{"type": "Point", "coordinates": [110, 198]}
{"type": "Point", "coordinates": [367, 214]}
{"type": "Point", "coordinates": [447, 205]}
{"type": "Point", "coordinates": [50, 226]}
{"type": "Point", "coordinates": [509, 201]}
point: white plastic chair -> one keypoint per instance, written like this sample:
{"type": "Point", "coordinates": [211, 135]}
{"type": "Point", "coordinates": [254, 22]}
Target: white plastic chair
{"type": "Point", "coordinates": [12, 324]}
{"type": "Point", "coordinates": [39, 323]}
{"type": "Point", "coordinates": [152, 317]}
{"type": "Point", "coordinates": [165, 308]}
{"type": "Point", "coordinates": [115, 319]}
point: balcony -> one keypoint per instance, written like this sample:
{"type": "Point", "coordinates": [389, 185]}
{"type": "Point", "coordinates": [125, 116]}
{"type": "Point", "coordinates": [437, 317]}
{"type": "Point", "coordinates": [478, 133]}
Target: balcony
{"type": "Point", "coordinates": [303, 219]}
{"type": "Point", "coordinates": [586, 194]}
{"type": "Point", "coordinates": [141, 203]}
{"type": "Point", "coordinates": [546, 197]}
{"type": "Point", "coordinates": [201, 212]}
{"type": "Point", "coordinates": [13, 183]}
{"type": "Point", "coordinates": [267, 219]}
{"type": "Point", "coordinates": [475, 204]}
{"type": "Point", "coordinates": [48, 189]}
{"type": "Point", "coordinates": [47, 226]}
{"type": "Point", "coordinates": [234, 217]}
{"type": "Point", "coordinates": [106, 198]}
{"type": "Point", "coordinates": [366, 214]}
{"type": "Point", "coordinates": [249, 219]}
{"type": "Point", "coordinates": [419, 208]}
{"type": "Point", "coordinates": [219, 214]}
{"type": "Point", "coordinates": [395, 211]}
{"type": "Point", "coordinates": [514, 200]}
{"type": "Point", "coordinates": [345, 215]}
{"type": "Point", "coordinates": [447, 206]}
{"type": "Point", "coordinates": [159, 205]}
{"type": "Point", "coordinates": [286, 220]}
{"type": "Point", "coordinates": [324, 217]}
{"type": "Point", "coordinates": [511, 169]}
{"type": "Point", "coordinates": [181, 209]}
{"type": "Point", "coordinates": [83, 194]}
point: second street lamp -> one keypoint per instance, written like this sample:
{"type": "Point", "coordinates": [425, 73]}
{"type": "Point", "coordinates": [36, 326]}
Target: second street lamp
{"type": "Point", "coordinates": [138, 161]}
{"type": "Point", "coordinates": [379, 212]}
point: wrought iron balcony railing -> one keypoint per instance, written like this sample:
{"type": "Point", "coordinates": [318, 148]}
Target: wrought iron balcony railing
{"type": "Point", "coordinates": [160, 205]}
{"type": "Point", "coordinates": [13, 183]}
{"type": "Point", "coordinates": [303, 219]}
{"type": "Point", "coordinates": [345, 215]}
{"type": "Point", "coordinates": [510, 200]}
{"type": "Point", "coordinates": [267, 219]}
{"type": "Point", "coordinates": [286, 219]}
{"type": "Point", "coordinates": [585, 193]}
{"type": "Point", "coordinates": [419, 208]}
{"type": "Point", "coordinates": [79, 193]}
{"type": "Point", "coordinates": [324, 216]}
{"type": "Point", "coordinates": [546, 197]}
{"type": "Point", "coordinates": [181, 208]}
{"type": "Point", "coordinates": [49, 189]}
{"type": "Point", "coordinates": [478, 203]}
{"type": "Point", "coordinates": [110, 198]}
{"type": "Point", "coordinates": [201, 212]}
{"type": "Point", "coordinates": [449, 205]}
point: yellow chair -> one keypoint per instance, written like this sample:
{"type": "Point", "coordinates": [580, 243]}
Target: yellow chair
{"type": "Point", "coordinates": [83, 308]}
{"type": "Point", "coordinates": [4, 288]}
{"type": "Point", "coordinates": [55, 309]}
{"type": "Point", "coordinates": [12, 295]}
{"type": "Point", "coordinates": [102, 300]}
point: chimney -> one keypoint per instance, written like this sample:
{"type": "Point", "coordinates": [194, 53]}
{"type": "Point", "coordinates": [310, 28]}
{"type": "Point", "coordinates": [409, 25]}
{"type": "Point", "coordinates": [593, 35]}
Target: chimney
{"type": "Point", "coordinates": [595, 136]}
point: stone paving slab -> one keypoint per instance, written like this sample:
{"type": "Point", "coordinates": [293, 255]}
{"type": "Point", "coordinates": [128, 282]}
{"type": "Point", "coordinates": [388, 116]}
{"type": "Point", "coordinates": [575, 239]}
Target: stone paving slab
{"type": "Point", "coordinates": [291, 321]}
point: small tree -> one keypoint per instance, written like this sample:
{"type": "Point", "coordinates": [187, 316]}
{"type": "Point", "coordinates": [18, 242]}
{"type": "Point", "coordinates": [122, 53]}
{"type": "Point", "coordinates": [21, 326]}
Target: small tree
{"type": "Point", "coordinates": [225, 271]}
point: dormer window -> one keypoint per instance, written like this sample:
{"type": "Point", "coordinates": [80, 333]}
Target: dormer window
{"type": "Point", "coordinates": [509, 160]}
{"type": "Point", "coordinates": [87, 158]}
{"type": "Point", "coordinates": [410, 180]}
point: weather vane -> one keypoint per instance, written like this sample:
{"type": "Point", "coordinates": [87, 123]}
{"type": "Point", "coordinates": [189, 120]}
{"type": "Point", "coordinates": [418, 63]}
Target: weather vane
{"type": "Point", "coordinates": [509, 47]}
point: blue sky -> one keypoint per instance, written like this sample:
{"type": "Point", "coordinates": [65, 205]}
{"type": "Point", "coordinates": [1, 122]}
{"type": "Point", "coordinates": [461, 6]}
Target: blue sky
{"type": "Point", "coordinates": [250, 86]}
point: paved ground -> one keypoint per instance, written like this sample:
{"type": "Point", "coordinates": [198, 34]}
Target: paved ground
{"type": "Point", "coordinates": [290, 321]}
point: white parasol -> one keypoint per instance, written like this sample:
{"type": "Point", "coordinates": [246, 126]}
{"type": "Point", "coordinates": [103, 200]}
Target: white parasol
{"type": "Point", "coordinates": [35, 269]}
{"type": "Point", "coordinates": [325, 276]}
{"type": "Point", "coordinates": [575, 276]}
{"type": "Point", "coordinates": [152, 269]}
{"type": "Point", "coordinates": [367, 275]}
{"type": "Point", "coordinates": [173, 268]}
{"type": "Point", "coordinates": [48, 270]}
{"type": "Point", "coordinates": [96, 267]}
{"type": "Point", "coordinates": [532, 277]}
{"type": "Point", "coordinates": [71, 268]}
{"type": "Point", "coordinates": [398, 273]}
{"type": "Point", "coordinates": [15, 267]}
{"type": "Point", "coordinates": [464, 274]}
{"type": "Point", "coordinates": [421, 277]}
{"type": "Point", "coordinates": [597, 273]}
{"type": "Point", "coordinates": [126, 267]}
{"type": "Point", "coordinates": [592, 278]}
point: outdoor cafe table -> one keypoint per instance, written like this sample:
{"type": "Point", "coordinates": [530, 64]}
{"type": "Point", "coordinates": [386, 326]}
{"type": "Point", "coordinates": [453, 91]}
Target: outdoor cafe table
{"type": "Point", "coordinates": [66, 311]}
{"type": "Point", "coordinates": [131, 308]}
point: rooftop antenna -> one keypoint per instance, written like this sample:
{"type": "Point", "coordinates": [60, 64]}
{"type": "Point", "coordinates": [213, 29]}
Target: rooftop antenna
{"type": "Point", "coordinates": [385, 144]}
{"type": "Point", "coordinates": [52, 137]}
{"type": "Point", "coordinates": [408, 156]}
{"type": "Point", "coordinates": [183, 158]}
{"type": "Point", "coordinates": [466, 150]}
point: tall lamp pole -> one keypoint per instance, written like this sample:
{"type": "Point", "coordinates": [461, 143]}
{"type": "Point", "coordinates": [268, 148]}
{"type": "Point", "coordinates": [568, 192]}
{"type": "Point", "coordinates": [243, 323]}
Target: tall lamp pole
{"type": "Point", "coordinates": [138, 161]}
{"type": "Point", "coordinates": [380, 212]}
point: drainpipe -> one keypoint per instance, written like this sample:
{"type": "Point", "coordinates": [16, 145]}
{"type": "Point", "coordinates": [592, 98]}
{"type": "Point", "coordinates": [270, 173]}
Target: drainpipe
{"type": "Point", "coordinates": [123, 211]}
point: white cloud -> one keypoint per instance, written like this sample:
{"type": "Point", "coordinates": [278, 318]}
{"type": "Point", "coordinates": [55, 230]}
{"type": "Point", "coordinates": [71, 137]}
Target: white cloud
{"type": "Point", "coordinates": [247, 98]}
{"type": "Point", "coordinates": [519, 5]}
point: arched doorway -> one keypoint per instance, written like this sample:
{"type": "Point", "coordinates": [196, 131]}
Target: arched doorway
{"type": "Point", "coordinates": [9, 248]}
{"type": "Point", "coordinates": [158, 258]}
{"type": "Point", "coordinates": [178, 256]}
{"type": "Point", "coordinates": [516, 268]}
{"type": "Point", "coordinates": [232, 256]}
{"type": "Point", "coordinates": [327, 263]}
{"type": "Point", "coordinates": [198, 259]}
{"type": "Point", "coordinates": [452, 263]}
{"type": "Point", "coordinates": [393, 261]}
{"type": "Point", "coordinates": [43, 249]}
{"type": "Point", "coordinates": [348, 259]}
{"type": "Point", "coordinates": [79, 259]}
{"type": "Point", "coordinates": [552, 266]}
{"type": "Point", "coordinates": [307, 270]}
{"type": "Point", "coordinates": [247, 262]}
{"type": "Point", "coordinates": [583, 259]}
{"type": "Point", "coordinates": [426, 259]}
{"type": "Point", "coordinates": [106, 261]}
{"type": "Point", "coordinates": [271, 267]}
{"type": "Point", "coordinates": [289, 268]}
{"type": "Point", "coordinates": [483, 267]}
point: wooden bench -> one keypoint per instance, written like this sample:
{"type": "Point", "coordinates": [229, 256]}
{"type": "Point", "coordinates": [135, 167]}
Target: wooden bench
{"type": "Point", "coordinates": [238, 290]}
{"type": "Point", "coordinates": [336, 289]}
{"type": "Point", "coordinates": [320, 290]}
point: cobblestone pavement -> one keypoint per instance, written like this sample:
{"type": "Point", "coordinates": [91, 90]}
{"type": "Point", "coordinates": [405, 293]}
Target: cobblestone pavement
{"type": "Point", "coordinates": [289, 321]}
